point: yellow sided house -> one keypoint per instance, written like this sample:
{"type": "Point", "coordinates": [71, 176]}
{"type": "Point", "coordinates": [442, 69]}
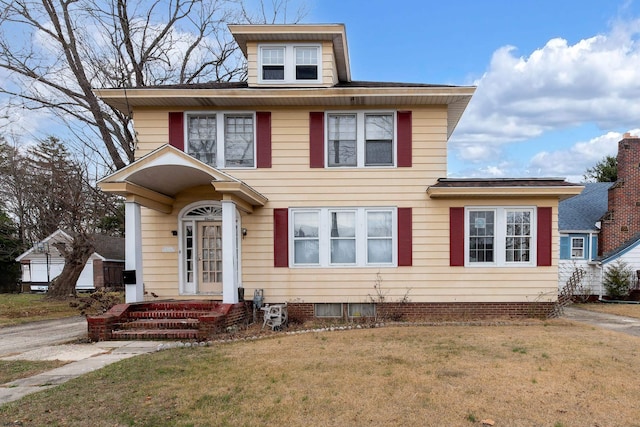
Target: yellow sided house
{"type": "Point", "coordinates": [305, 187]}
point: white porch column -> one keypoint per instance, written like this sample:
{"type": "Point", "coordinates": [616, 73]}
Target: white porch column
{"type": "Point", "coordinates": [229, 251]}
{"type": "Point", "coordinates": [133, 251]}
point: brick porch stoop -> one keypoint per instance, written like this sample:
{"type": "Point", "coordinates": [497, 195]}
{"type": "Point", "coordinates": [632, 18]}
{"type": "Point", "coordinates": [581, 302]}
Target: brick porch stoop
{"type": "Point", "coordinates": [168, 320]}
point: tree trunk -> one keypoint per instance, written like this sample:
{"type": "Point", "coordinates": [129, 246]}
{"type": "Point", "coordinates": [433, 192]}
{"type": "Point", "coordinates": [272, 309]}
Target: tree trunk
{"type": "Point", "coordinates": [75, 259]}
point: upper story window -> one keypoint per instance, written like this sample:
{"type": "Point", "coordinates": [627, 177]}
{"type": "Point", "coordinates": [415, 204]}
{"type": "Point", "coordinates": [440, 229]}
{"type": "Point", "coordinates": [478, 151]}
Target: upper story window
{"type": "Point", "coordinates": [222, 140]}
{"type": "Point", "coordinates": [306, 63]}
{"type": "Point", "coordinates": [360, 139]}
{"type": "Point", "coordinates": [289, 63]}
{"type": "Point", "coordinates": [500, 236]}
{"type": "Point", "coordinates": [273, 63]}
{"type": "Point", "coordinates": [577, 247]}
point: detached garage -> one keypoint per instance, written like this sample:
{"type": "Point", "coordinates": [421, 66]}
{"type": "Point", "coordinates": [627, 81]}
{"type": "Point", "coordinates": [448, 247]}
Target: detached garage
{"type": "Point", "coordinates": [43, 263]}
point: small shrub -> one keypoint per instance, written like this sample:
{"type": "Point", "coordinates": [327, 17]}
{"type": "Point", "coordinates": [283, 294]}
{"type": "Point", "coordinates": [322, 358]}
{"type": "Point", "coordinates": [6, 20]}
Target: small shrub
{"type": "Point", "coordinates": [617, 280]}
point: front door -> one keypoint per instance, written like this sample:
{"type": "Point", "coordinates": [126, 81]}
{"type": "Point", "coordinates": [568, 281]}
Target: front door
{"type": "Point", "coordinates": [210, 258]}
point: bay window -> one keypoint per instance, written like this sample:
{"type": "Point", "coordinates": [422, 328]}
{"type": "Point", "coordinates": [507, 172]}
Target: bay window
{"type": "Point", "coordinates": [343, 237]}
{"type": "Point", "coordinates": [222, 140]}
{"type": "Point", "coordinates": [500, 236]}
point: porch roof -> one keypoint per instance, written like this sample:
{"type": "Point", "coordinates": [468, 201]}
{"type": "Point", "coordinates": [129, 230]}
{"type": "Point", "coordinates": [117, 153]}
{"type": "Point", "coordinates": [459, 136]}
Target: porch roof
{"type": "Point", "coordinates": [154, 180]}
{"type": "Point", "coordinates": [503, 187]}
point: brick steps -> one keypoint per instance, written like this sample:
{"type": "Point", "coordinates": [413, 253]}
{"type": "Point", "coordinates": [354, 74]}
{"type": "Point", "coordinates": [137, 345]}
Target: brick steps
{"type": "Point", "coordinates": [159, 324]}
{"type": "Point", "coordinates": [165, 320]}
{"type": "Point", "coordinates": [155, 334]}
{"type": "Point", "coordinates": [166, 314]}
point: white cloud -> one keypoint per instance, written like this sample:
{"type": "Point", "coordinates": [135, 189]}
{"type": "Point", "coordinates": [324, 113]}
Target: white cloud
{"type": "Point", "coordinates": [559, 86]}
{"type": "Point", "coordinates": [573, 162]}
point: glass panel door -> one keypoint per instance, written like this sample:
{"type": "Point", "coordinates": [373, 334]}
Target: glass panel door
{"type": "Point", "coordinates": [210, 258]}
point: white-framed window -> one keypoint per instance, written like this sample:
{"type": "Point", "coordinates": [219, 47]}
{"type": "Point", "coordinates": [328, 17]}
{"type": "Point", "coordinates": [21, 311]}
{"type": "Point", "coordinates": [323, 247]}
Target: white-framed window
{"type": "Point", "coordinates": [360, 139]}
{"type": "Point", "coordinates": [577, 247]}
{"type": "Point", "coordinates": [343, 237]}
{"type": "Point", "coordinates": [290, 63]}
{"type": "Point", "coordinates": [500, 236]}
{"type": "Point", "coordinates": [222, 139]}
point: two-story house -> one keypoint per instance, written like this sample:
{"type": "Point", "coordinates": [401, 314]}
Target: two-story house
{"type": "Point", "coordinates": [314, 187]}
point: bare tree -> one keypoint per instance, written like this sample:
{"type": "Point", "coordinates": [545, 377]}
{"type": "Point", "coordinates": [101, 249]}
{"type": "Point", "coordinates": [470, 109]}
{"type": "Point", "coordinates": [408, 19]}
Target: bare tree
{"type": "Point", "coordinates": [68, 47]}
{"type": "Point", "coordinates": [46, 189]}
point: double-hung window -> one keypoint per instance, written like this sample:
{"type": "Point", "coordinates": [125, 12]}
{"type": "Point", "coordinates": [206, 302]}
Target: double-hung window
{"type": "Point", "coordinates": [500, 236]}
{"type": "Point", "coordinates": [273, 63]}
{"type": "Point", "coordinates": [577, 247]}
{"type": "Point", "coordinates": [360, 139]}
{"type": "Point", "coordinates": [289, 63]}
{"type": "Point", "coordinates": [222, 140]}
{"type": "Point", "coordinates": [358, 237]}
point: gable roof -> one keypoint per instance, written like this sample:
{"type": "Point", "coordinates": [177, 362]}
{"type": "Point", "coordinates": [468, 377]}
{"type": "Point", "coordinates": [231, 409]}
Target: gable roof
{"type": "Point", "coordinates": [581, 212]}
{"type": "Point", "coordinates": [109, 247]}
{"type": "Point", "coordinates": [106, 247]}
{"type": "Point", "coordinates": [155, 179]}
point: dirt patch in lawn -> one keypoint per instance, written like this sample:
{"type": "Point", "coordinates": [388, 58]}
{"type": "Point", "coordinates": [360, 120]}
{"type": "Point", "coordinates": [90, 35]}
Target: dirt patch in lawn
{"type": "Point", "coordinates": [545, 373]}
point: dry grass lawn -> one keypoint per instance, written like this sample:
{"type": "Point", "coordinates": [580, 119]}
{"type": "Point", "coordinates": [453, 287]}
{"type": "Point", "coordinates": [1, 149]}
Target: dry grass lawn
{"type": "Point", "coordinates": [23, 308]}
{"type": "Point", "coordinates": [553, 373]}
{"type": "Point", "coordinates": [629, 310]}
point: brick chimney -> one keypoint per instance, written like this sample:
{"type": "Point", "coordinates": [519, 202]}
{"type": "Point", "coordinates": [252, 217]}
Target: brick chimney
{"type": "Point", "coordinates": [622, 221]}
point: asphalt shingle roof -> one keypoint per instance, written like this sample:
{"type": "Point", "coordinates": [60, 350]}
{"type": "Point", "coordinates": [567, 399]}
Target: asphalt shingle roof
{"type": "Point", "coordinates": [581, 212]}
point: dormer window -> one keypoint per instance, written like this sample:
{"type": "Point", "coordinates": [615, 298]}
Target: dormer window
{"type": "Point", "coordinates": [290, 63]}
{"type": "Point", "coordinates": [306, 63]}
{"type": "Point", "coordinates": [273, 63]}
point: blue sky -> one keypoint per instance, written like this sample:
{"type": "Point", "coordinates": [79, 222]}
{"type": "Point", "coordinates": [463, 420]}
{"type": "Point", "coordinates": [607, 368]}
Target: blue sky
{"type": "Point", "coordinates": [558, 81]}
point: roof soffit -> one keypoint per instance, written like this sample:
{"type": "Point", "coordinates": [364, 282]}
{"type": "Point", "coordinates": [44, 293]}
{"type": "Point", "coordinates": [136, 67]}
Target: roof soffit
{"type": "Point", "coordinates": [456, 98]}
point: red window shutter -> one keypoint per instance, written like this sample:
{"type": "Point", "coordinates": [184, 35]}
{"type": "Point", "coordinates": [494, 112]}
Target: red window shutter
{"type": "Point", "coordinates": [281, 237]}
{"type": "Point", "coordinates": [316, 139]}
{"type": "Point", "coordinates": [176, 130]}
{"type": "Point", "coordinates": [263, 139]}
{"type": "Point", "coordinates": [405, 238]}
{"type": "Point", "coordinates": [404, 138]}
{"type": "Point", "coordinates": [545, 236]}
{"type": "Point", "coordinates": [456, 237]}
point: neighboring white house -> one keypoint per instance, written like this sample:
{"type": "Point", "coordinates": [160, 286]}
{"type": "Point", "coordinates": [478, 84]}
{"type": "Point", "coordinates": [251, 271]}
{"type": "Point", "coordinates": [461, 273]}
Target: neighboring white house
{"type": "Point", "coordinates": [43, 263]}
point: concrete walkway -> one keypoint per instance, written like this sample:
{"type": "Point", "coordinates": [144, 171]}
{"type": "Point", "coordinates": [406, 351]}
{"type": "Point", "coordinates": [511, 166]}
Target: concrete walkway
{"type": "Point", "coordinates": [84, 358]}
{"type": "Point", "coordinates": [58, 340]}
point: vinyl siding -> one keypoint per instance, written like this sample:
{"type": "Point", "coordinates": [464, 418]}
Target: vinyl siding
{"type": "Point", "coordinates": [291, 183]}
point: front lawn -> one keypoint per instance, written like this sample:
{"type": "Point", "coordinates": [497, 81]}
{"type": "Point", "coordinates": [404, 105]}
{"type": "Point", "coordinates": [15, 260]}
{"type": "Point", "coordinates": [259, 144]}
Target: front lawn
{"type": "Point", "coordinates": [553, 373]}
{"type": "Point", "coordinates": [23, 308]}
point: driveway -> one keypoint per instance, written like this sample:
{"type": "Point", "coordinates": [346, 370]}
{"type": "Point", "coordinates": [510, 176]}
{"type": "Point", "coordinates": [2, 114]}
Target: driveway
{"type": "Point", "coordinates": [22, 338]}
{"type": "Point", "coordinates": [626, 325]}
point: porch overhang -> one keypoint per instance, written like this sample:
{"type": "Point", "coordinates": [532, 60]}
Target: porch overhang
{"type": "Point", "coordinates": [503, 188]}
{"type": "Point", "coordinates": [154, 180]}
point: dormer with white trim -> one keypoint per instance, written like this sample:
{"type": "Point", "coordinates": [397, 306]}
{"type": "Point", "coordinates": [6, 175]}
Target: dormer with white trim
{"type": "Point", "coordinates": [294, 55]}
